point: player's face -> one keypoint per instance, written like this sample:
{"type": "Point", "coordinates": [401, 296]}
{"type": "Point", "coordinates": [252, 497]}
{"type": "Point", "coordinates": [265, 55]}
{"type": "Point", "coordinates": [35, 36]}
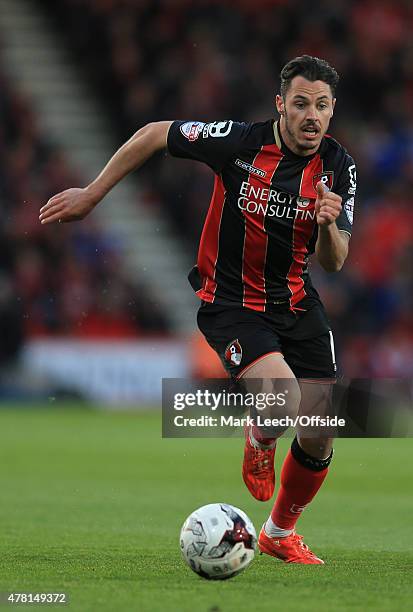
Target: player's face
{"type": "Point", "coordinates": [305, 114]}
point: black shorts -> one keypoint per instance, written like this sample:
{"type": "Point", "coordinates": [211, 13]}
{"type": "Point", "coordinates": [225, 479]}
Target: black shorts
{"type": "Point", "coordinates": [242, 336]}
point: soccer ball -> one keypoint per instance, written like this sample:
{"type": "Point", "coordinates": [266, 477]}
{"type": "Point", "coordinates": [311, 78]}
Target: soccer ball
{"type": "Point", "coordinates": [218, 541]}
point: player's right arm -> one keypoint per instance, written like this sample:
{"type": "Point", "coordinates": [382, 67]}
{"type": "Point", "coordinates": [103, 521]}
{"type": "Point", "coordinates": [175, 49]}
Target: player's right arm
{"type": "Point", "coordinates": [74, 204]}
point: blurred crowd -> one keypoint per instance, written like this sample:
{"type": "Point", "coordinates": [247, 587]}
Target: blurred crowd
{"type": "Point", "coordinates": [53, 280]}
{"type": "Point", "coordinates": [207, 60]}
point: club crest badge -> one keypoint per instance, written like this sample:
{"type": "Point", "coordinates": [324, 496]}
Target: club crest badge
{"type": "Point", "coordinates": [233, 353]}
{"type": "Point", "coordinates": [327, 178]}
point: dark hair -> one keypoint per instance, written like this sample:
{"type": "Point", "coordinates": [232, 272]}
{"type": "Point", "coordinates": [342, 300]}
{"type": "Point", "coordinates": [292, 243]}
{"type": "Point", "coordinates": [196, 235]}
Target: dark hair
{"type": "Point", "coordinates": [312, 69]}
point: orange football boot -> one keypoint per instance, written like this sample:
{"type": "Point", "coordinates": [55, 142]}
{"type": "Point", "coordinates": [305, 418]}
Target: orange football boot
{"type": "Point", "coordinates": [290, 549]}
{"type": "Point", "coordinates": [258, 469]}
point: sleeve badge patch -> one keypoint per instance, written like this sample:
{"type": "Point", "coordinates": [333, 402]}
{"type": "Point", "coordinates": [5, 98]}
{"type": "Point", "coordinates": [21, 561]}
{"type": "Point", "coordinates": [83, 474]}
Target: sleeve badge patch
{"type": "Point", "coordinates": [192, 129]}
{"type": "Point", "coordinates": [349, 208]}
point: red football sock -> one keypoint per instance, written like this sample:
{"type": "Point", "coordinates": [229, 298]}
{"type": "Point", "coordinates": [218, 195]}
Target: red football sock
{"type": "Point", "coordinates": [298, 486]}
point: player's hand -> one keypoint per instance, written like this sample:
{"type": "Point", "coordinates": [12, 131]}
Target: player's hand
{"type": "Point", "coordinates": [327, 205]}
{"type": "Point", "coordinates": [70, 205]}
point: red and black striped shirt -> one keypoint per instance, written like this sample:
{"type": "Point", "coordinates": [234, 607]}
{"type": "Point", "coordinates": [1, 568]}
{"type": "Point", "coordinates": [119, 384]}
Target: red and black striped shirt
{"type": "Point", "coordinates": [261, 225]}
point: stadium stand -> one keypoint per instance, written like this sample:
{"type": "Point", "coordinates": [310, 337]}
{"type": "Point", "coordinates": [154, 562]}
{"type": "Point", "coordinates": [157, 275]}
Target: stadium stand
{"type": "Point", "coordinates": [54, 283]}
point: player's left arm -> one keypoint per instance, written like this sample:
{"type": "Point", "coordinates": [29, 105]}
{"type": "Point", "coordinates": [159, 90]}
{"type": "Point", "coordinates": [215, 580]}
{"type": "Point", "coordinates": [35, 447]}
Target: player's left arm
{"type": "Point", "coordinates": [334, 210]}
{"type": "Point", "coordinates": [332, 244]}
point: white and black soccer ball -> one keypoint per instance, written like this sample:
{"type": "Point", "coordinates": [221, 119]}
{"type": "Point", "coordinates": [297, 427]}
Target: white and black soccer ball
{"type": "Point", "coordinates": [218, 541]}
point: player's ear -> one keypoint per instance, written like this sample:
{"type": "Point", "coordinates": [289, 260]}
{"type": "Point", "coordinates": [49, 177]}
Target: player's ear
{"type": "Point", "coordinates": [333, 105]}
{"type": "Point", "coordinates": [279, 103]}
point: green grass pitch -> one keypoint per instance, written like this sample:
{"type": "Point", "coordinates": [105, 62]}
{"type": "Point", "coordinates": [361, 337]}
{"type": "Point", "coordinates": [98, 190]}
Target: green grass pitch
{"type": "Point", "coordinates": [92, 504]}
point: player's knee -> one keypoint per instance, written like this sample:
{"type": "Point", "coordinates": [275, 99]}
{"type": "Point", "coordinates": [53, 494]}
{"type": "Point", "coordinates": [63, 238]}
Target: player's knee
{"type": "Point", "coordinates": [275, 397]}
{"type": "Point", "coordinates": [292, 393]}
{"type": "Point", "coordinates": [276, 402]}
{"type": "Point", "coordinates": [288, 397]}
